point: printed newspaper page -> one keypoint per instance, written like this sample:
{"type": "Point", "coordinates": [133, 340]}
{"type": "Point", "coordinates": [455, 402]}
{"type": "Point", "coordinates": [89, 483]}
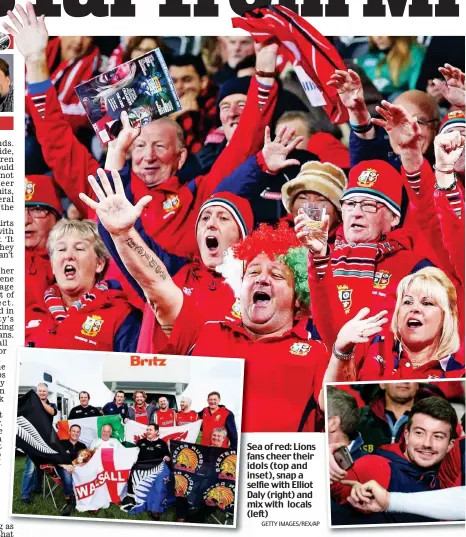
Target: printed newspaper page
{"type": "Point", "coordinates": [237, 298]}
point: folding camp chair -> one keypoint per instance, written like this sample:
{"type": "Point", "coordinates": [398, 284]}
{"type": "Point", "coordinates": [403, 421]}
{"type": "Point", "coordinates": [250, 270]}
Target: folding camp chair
{"type": "Point", "coordinates": [52, 481]}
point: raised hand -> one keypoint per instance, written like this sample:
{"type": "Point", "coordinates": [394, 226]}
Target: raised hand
{"type": "Point", "coordinates": [449, 148]}
{"type": "Point", "coordinates": [360, 329]}
{"type": "Point", "coordinates": [453, 87]}
{"type": "Point", "coordinates": [31, 36]}
{"type": "Point", "coordinates": [402, 128]}
{"type": "Point", "coordinates": [349, 88]}
{"type": "Point", "coordinates": [276, 151]}
{"type": "Point", "coordinates": [114, 210]}
{"type": "Point", "coordinates": [126, 136]}
{"type": "Point", "coordinates": [369, 497]}
{"type": "Point", "coordinates": [312, 234]}
{"type": "Point", "coordinates": [266, 56]}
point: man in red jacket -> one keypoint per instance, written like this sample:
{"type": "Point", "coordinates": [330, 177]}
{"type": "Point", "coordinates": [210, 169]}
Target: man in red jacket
{"type": "Point", "coordinates": [157, 150]}
{"type": "Point", "coordinates": [42, 211]}
{"type": "Point", "coordinates": [214, 416]}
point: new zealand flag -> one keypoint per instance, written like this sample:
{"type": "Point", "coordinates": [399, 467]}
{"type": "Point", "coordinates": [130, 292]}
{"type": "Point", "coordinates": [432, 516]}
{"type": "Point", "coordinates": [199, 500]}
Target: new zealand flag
{"type": "Point", "coordinates": [150, 488]}
{"type": "Point", "coordinates": [35, 434]}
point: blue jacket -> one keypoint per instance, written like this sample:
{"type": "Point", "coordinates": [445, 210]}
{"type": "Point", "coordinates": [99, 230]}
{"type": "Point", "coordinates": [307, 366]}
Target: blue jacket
{"type": "Point", "coordinates": [377, 148]}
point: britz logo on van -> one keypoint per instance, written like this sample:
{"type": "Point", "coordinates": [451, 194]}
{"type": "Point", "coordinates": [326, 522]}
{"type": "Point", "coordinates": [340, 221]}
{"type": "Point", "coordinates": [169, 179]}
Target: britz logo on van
{"type": "Point", "coordinates": [155, 361]}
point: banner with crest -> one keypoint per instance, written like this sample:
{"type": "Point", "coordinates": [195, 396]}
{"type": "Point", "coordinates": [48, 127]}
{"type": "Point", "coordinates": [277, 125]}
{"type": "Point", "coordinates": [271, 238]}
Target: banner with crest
{"type": "Point", "coordinates": [205, 476]}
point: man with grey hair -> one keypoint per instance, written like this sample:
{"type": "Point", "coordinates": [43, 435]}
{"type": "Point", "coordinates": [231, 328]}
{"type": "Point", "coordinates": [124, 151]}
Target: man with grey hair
{"type": "Point", "coordinates": [106, 440]}
{"type": "Point", "coordinates": [371, 255]}
{"type": "Point", "coordinates": [217, 437]}
{"type": "Point", "coordinates": [6, 87]}
{"type": "Point", "coordinates": [186, 415]}
{"type": "Point", "coordinates": [30, 482]}
{"type": "Point", "coordinates": [343, 420]}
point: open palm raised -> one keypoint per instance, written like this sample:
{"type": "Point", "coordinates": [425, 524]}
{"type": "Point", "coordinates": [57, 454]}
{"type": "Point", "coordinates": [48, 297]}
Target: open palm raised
{"type": "Point", "coordinates": [114, 210]}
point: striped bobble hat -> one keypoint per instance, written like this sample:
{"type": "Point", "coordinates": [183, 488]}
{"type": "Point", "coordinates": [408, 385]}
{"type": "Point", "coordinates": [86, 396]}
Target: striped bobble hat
{"type": "Point", "coordinates": [377, 180]}
{"type": "Point", "coordinates": [452, 120]}
{"type": "Point", "coordinates": [237, 206]}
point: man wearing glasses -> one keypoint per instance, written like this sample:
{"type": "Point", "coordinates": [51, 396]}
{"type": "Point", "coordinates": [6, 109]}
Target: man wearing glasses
{"type": "Point", "coordinates": [42, 211]}
{"type": "Point", "coordinates": [371, 253]}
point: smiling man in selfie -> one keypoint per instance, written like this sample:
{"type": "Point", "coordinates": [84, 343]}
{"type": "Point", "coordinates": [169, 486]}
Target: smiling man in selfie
{"type": "Point", "coordinates": [411, 465]}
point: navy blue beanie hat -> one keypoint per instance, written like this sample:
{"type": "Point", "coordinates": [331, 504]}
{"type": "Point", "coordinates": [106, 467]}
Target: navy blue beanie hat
{"type": "Point", "coordinates": [232, 86]}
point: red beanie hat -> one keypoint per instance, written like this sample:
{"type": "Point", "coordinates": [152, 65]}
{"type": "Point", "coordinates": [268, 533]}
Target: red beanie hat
{"type": "Point", "coordinates": [378, 180]}
{"type": "Point", "coordinates": [40, 190]}
{"type": "Point", "coordinates": [239, 208]}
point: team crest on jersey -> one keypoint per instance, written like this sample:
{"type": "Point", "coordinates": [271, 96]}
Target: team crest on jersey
{"type": "Point", "coordinates": [29, 191]}
{"type": "Point", "coordinates": [300, 349]}
{"type": "Point", "coordinates": [171, 203]}
{"type": "Point", "coordinates": [345, 295]}
{"type": "Point", "coordinates": [368, 177]}
{"type": "Point", "coordinates": [236, 309]}
{"type": "Point", "coordinates": [382, 279]}
{"type": "Point", "coordinates": [92, 325]}
{"type": "Point", "coordinates": [188, 291]}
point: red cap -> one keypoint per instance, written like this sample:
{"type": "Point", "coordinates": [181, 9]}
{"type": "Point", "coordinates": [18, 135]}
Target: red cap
{"type": "Point", "coordinates": [239, 208]}
{"type": "Point", "coordinates": [40, 190]}
{"type": "Point", "coordinates": [376, 179]}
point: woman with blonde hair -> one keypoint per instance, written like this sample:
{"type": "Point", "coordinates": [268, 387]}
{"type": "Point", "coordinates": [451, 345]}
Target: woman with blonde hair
{"type": "Point", "coordinates": [392, 63]}
{"type": "Point", "coordinates": [82, 310]}
{"type": "Point", "coordinates": [423, 342]}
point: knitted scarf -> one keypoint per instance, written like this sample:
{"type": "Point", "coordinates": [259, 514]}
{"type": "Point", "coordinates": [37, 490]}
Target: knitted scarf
{"type": "Point", "coordinates": [57, 309]}
{"type": "Point", "coordinates": [354, 270]}
{"type": "Point", "coordinates": [313, 57]}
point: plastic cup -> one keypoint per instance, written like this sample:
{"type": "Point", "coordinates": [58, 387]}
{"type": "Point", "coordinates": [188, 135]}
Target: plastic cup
{"type": "Point", "coordinates": [316, 211]}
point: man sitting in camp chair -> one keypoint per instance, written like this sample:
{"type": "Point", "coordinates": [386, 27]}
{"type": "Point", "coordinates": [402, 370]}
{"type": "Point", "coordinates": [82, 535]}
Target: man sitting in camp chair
{"type": "Point", "coordinates": [72, 446]}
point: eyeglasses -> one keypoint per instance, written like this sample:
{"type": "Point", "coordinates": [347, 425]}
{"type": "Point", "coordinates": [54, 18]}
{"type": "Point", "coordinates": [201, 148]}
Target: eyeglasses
{"type": "Point", "coordinates": [426, 122]}
{"type": "Point", "coordinates": [37, 212]}
{"type": "Point", "coordinates": [366, 206]}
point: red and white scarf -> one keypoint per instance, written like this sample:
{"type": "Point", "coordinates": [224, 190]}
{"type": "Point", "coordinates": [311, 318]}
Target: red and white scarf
{"type": "Point", "coordinates": [356, 263]}
{"type": "Point", "coordinates": [54, 302]}
{"type": "Point", "coordinates": [313, 57]}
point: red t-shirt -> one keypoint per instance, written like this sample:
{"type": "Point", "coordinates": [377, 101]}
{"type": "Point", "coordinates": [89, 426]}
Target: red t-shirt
{"type": "Point", "coordinates": [166, 418]}
{"type": "Point", "coordinates": [186, 417]}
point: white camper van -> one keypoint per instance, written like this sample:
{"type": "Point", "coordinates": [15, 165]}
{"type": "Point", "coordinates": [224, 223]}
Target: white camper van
{"type": "Point", "coordinates": [158, 376]}
{"type": "Point", "coordinates": [60, 392]}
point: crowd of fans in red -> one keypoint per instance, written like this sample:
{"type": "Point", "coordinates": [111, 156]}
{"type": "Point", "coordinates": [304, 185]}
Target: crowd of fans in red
{"type": "Point", "coordinates": [133, 257]}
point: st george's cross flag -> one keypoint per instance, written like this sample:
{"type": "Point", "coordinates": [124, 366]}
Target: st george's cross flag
{"type": "Point", "coordinates": [103, 479]}
{"type": "Point", "coordinates": [35, 434]}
